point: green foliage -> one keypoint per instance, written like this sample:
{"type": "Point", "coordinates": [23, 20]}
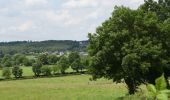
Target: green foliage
{"type": "Point", "coordinates": [63, 64]}
{"type": "Point", "coordinates": [159, 91]}
{"type": "Point", "coordinates": [161, 8]}
{"type": "Point", "coordinates": [46, 70]}
{"type": "Point", "coordinates": [75, 61]}
{"type": "Point", "coordinates": [56, 69]}
{"type": "Point", "coordinates": [76, 65]}
{"type": "Point", "coordinates": [43, 59]}
{"type": "Point", "coordinates": [85, 61]}
{"type": "Point", "coordinates": [73, 56]}
{"type": "Point", "coordinates": [17, 72]}
{"type": "Point", "coordinates": [52, 59]}
{"type": "Point", "coordinates": [18, 59]}
{"type": "Point", "coordinates": [6, 73]}
{"type": "Point", "coordinates": [28, 62]}
{"type": "Point", "coordinates": [132, 45]}
{"type": "Point", "coordinates": [6, 61]}
{"type": "Point", "coordinates": [36, 68]}
{"type": "Point", "coordinates": [28, 47]}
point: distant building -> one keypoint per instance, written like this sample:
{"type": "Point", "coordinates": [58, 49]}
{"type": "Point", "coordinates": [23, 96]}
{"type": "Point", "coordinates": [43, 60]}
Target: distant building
{"type": "Point", "coordinates": [83, 53]}
{"type": "Point", "coordinates": [61, 53]}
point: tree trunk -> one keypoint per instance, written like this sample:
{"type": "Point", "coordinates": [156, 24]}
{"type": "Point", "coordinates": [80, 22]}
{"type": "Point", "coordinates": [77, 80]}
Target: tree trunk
{"type": "Point", "coordinates": [131, 85]}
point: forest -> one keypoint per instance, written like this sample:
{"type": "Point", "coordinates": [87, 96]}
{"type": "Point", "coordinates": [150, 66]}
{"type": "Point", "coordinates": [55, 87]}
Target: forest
{"type": "Point", "coordinates": [28, 47]}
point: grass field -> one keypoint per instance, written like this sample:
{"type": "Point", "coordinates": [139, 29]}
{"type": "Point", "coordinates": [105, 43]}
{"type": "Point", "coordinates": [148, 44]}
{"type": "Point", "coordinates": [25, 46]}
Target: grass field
{"type": "Point", "coordinates": [72, 87]}
{"type": "Point", "coordinates": [77, 87]}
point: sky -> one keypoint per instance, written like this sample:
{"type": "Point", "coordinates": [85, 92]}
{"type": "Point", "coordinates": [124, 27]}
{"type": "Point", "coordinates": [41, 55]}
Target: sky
{"type": "Point", "coordinates": [39, 20]}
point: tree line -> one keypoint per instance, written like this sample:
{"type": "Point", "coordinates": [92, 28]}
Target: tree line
{"type": "Point", "coordinates": [27, 47]}
{"type": "Point", "coordinates": [43, 65]}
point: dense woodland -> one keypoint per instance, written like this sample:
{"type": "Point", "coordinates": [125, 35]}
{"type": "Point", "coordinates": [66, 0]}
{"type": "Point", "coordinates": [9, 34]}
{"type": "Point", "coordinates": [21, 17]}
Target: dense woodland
{"type": "Point", "coordinates": [27, 47]}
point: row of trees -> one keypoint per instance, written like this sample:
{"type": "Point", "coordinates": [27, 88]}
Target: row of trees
{"type": "Point", "coordinates": [18, 59]}
{"type": "Point", "coordinates": [62, 63]}
{"type": "Point", "coordinates": [44, 64]}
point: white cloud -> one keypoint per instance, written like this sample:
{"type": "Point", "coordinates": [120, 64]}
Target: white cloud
{"type": "Point", "coordinates": [25, 26]}
{"type": "Point", "coordinates": [80, 3]}
{"type": "Point", "coordinates": [55, 19]}
{"type": "Point", "coordinates": [57, 16]}
{"type": "Point", "coordinates": [33, 2]}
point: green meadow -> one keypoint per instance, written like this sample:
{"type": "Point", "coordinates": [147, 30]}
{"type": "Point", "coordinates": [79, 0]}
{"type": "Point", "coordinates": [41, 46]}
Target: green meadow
{"type": "Point", "coordinates": [76, 87]}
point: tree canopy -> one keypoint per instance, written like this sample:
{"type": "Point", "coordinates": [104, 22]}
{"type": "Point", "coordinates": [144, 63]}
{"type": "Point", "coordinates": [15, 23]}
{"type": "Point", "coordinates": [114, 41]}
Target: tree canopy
{"type": "Point", "coordinates": [132, 45]}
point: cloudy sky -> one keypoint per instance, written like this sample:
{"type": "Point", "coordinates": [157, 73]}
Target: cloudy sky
{"type": "Point", "coordinates": [54, 19]}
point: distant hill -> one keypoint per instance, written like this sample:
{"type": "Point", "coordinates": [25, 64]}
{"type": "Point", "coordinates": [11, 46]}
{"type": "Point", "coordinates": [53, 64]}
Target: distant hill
{"type": "Point", "coordinates": [26, 47]}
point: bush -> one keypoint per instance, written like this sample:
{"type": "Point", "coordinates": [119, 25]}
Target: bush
{"type": "Point", "coordinates": [17, 72]}
{"type": "Point", "coordinates": [46, 70]}
{"type": "Point", "coordinates": [6, 73]}
{"type": "Point", "coordinates": [158, 91]}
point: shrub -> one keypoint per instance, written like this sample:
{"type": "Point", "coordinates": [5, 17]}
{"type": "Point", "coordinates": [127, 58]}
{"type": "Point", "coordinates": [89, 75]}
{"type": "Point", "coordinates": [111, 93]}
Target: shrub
{"type": "Point", "coordinates": [158, 91]}
{"type": "Point", "coordinates": [17, 72]}
{"type": "Point", "coordinates": [6, 73]}
{"type": "Point", "coordinates": [46, 70]}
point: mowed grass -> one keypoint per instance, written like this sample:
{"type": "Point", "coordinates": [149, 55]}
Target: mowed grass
{"type": "Point", "coordinates": [76, 87]}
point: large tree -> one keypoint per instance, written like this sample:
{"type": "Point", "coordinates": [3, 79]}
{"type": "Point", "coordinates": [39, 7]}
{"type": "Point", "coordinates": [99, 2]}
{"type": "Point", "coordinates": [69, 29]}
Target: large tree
{"type": "Point", "coordinates": [130, 45]}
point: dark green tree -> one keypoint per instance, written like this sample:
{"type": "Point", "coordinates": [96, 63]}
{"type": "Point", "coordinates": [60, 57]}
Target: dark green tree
{"type": "Point", "coordinates": [17, 72]}
{"type": "Point", "coordinates": [6, 73]}
{"type": "Point", "coordinates": [46, 70]}
{"type": "Point", "coordinates": [63, 64]}
{"type": "Point", "coordinates": [36, 68]}
{"type": "Point", "coordinates": [7, 61]}
{"type": "Point", "coordinates": [43, 58]}
{"type": "Point", "coordinates": [76, 65]}
{"type": "Point", "coordinates": [52, 59]}
{"type": "Point", "coordinates": [130, 45]}
{"type": "Point", "coordinates": [75, 61]}
{"type": "Point", "coordinates": [160, 7]}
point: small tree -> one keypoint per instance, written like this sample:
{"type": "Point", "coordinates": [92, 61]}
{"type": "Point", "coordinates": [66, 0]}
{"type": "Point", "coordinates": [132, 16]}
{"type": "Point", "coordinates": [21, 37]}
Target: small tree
{"type": "Point", "coordinates": [17, 72]}
{"type": "Point", "coordinates": [6, 61]}
{"type": "Point", "coordinates": [46, 70]}
{"type": "Point", "coordinates": [63, 63]}
{"type": "Point", "coordinates": [52, 59]}
{"type": "Point", "coordinates": [43, 58]}
{"type": "Point", "coordinates": [36, 68]}
{"type": "Point", "coordinates": [6, 73]}
{"type": "Point", "coordinates": [75, 61]}
{"type": "Point", "coordinates": [76, 65]}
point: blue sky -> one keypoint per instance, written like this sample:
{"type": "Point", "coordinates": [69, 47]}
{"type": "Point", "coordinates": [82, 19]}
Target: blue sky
{"type": "Point", "coordinates": [54, 19]}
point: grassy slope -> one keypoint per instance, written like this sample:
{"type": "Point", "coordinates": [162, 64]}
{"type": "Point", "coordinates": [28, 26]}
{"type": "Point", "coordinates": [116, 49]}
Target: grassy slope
{"type": "Point", "coordinates": [76, 87]}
